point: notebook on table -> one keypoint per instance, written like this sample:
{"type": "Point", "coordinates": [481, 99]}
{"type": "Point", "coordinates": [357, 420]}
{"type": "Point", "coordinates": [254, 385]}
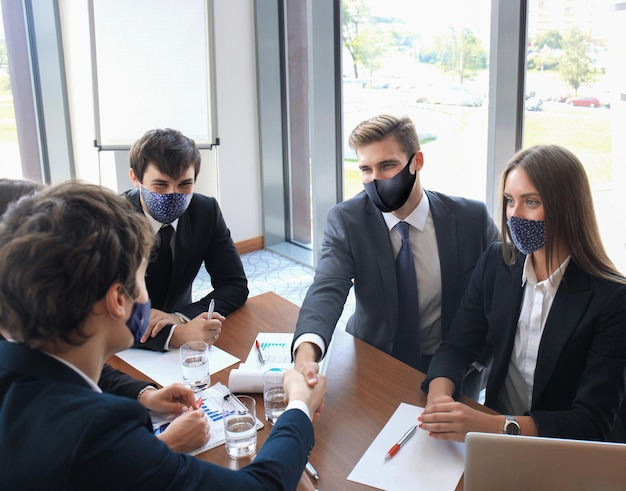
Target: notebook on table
{"type": "Point", "coordinates": [523, 463]}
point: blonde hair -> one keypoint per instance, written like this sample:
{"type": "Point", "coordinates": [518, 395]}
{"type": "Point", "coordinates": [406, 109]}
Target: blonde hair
{"type": "Point", "coordinates": [383, 126]}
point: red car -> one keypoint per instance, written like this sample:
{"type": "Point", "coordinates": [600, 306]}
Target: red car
{"type": "Point", "coordinates": [584, 101]}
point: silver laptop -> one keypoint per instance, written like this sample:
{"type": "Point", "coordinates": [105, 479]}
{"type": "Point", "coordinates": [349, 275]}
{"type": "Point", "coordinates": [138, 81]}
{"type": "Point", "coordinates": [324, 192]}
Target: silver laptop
{"type": "Point", "coordinates": [523, 463]}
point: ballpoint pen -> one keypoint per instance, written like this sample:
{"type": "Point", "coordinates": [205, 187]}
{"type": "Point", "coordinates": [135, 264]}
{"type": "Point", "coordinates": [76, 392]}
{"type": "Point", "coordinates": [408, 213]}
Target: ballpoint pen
{"type": "Point", "coordinates": [311, 471]}
{"type": "Point", "coordinates": [259, 352]}
{"type": "Point", "coordinates": [402, 441]}
{"type": "Point", "coordinates": [235, 403]}
{"type": "Point", "coordinates": [211, 308]}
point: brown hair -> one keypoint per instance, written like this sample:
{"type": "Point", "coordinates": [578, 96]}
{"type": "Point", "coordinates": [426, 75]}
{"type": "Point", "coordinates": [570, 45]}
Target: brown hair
{"type": "Point", "coordinates": [60, 251]}
{"type": "Point", "coordinates": [562, 183]}
{"type": "Point", "coordinates": [168, 150]}
{"type": "Point", "coordinates": [384, 126]}
{"type": "Point", "coordinates": [13, 189]}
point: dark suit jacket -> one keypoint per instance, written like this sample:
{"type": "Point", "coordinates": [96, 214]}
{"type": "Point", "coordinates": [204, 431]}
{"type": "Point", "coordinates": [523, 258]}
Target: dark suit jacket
{"type": "Point", "coordinates": [112, 381]}
{"type": "Point", "coordinates": [201, 237]}
{"type": "Point", "coordinates": [356, 247]}
{"type": "Point", "coordinates": [580, 377]}
{"type": "Point", "coordinates": [58, 434]}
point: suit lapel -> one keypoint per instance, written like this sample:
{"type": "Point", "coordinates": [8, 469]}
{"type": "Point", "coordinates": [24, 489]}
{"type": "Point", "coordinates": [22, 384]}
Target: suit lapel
{"type": "Point", "coordinates": [447, 240]}
{"type": "Point", "coordinates": [570, 303]}
{"type": "Point", "coordinates": [507, 295]}
{"type": "Point", "coordinates": [378, 233]}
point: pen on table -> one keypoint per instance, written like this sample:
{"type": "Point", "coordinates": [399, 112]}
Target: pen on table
{"type": "Point", "coordinates": [259, 352]}
{"type": "Point", "coordinates": [211, 308]}
{"type": "Point", "coordinates": [310, 470]}
{"type": "Point", "coordinates": [232, 399]}
{"type": "Point", "coordinates": [402, 441]}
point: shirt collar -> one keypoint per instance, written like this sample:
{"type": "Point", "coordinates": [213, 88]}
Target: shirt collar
{"type": "Point", "coordinates": [156, 226]}
{"type": "Point", "coordinates": [417, 218]}
{"type": "Point", "coordinates": [91, 383]}
{"type": "Point", "coordinates": [551, 283]}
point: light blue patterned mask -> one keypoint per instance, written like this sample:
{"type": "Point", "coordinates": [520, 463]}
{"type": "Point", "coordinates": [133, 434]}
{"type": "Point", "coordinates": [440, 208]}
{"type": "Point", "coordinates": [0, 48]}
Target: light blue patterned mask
{"type": "Point", "coordinates": [528, 235]}
{"type": "Point", "coordinates": [165, 208]}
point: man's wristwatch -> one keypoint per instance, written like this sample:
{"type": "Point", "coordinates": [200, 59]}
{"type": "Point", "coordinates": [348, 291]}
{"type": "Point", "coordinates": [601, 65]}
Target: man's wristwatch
{"type": "Point", "coordinates": [511, 426]}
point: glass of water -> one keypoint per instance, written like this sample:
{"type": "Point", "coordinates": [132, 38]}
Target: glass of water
{"type": "Point", "coordinates": [239, 414]}
{"type": "Point", "coordinates": [274, 397]}
{"type": "Point", "coordinates": [194, 361]}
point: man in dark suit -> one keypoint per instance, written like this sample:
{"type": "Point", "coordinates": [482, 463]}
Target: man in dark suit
{"type": "Point", "coordinates": [82, 245]}
{"type": "Point", "coordinates": [190, 430]}
{"type": "Point", "coordinates": [361, 244]}
{"type": "Point", "coordinates": [190, 229]}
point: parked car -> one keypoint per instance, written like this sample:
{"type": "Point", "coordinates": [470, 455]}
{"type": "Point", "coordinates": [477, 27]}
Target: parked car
{"type": "Point", "coordinates": [584, 101]}
{"type": "Point", "coordinates": [534, 104]}
{"type": "Point", "coordinates": [455, 96]}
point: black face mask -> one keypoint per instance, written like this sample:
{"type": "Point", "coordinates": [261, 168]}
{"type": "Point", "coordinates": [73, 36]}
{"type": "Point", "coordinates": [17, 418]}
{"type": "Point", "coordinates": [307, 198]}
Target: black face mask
{"type": "Point", "coordinates": [390, 194]}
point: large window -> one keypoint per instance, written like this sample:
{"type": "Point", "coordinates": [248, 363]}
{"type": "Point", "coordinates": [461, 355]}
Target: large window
{"type": "Point", "coordinates": [429, 61]}
{"type": "Point", "coordinates": [9, 147]}
{"type": "Point", "coordinates": [574, 88]}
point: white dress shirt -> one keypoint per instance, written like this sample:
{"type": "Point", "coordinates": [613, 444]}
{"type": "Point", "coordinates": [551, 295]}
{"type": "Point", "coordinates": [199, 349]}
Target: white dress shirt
{"type": "Point", "coordinates": [427, 269]}
{"type": "Point", "coordinates": [517, 391]}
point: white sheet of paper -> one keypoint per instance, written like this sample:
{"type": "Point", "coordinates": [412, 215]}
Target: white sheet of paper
{"type": "Point", "coordinates": [421, 463]}
{"type": "Point", "coordinates": [276, 347]}
{"type": "Point", "coordinates": [164, 368]}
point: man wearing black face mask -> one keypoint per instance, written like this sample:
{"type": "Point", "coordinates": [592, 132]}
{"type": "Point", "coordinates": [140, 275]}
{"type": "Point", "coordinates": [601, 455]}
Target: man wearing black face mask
{"type": "Point", "coordinates": [190, 229]}
{"type": "Point", "coordinates": [408, 277]}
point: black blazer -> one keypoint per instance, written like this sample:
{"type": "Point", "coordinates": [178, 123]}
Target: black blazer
{"type": "Point", "coordinates": [201, 237]}
{"type": "Point", "coordinates": [58, 434]}
{"type": "Point", "coordinates": [113, 381]}
{"type": "Point", "coordinates": [580, 376]}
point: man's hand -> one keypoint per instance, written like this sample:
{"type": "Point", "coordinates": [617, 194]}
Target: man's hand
{"type": "Point", "coordinates": [297, 388]}
{"type": "Point", "coordinates": [305, 362]}
{"type": "Point", "coordinates": [172, 399]}
{"type": "Point", "coordinates": [187, 432]}
{"type": "Point", "coordinates": [200, 328]}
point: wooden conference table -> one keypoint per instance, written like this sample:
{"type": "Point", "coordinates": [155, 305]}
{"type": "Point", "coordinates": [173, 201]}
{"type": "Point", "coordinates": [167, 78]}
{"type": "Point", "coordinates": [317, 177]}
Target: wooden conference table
{"type": "Point", "coordinates": [357, 375]}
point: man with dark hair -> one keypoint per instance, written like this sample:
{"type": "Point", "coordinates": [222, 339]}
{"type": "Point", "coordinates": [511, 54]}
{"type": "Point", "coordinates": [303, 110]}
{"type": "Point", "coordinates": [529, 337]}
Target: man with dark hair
{"type": "Point", "coordinates": [190, 229]}
{"type": "Point", "coordinates": [73, 260]}
{"type": "Point", "coordinates": [188, 431]}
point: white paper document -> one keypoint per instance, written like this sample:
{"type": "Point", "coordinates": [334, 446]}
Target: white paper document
{"type": "Point", "coordinates": [421, 463]}
{"type": "Point", "coordinates": [164, 368]}
{"type": "Point", "coordinates": [276, 349]}
{"type": "Point", "coordinates": [212, 402]}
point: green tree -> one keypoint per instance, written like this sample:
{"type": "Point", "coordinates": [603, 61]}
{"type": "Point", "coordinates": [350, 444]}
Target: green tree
{"type": "Point", "coordinates": [576, 67]}
{"type": "Point", "coordinates": [365, 42]}
{"type": "Point", "coordinates": [460, 53]}
{"type": "Point", "coordinates": [551, 39]}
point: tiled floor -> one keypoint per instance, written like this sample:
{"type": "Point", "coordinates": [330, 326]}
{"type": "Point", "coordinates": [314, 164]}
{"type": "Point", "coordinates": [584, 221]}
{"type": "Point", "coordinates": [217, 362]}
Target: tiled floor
{"type": "Point", "coordinates": [269, 271]}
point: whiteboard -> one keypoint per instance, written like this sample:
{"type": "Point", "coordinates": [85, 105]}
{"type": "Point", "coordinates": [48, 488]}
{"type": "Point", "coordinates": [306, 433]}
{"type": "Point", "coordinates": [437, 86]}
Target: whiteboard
{"type": "Point", "coordinates": [152, 68]}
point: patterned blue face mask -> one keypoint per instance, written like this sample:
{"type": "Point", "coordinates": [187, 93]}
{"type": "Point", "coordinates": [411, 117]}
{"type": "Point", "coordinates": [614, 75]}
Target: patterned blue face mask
{"type": "Point", "coordinates": [528, 235]}
{"type": "Point", "coordinates": [139, 319]}
{"type": "Point", "coordinates": [165, 208]}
